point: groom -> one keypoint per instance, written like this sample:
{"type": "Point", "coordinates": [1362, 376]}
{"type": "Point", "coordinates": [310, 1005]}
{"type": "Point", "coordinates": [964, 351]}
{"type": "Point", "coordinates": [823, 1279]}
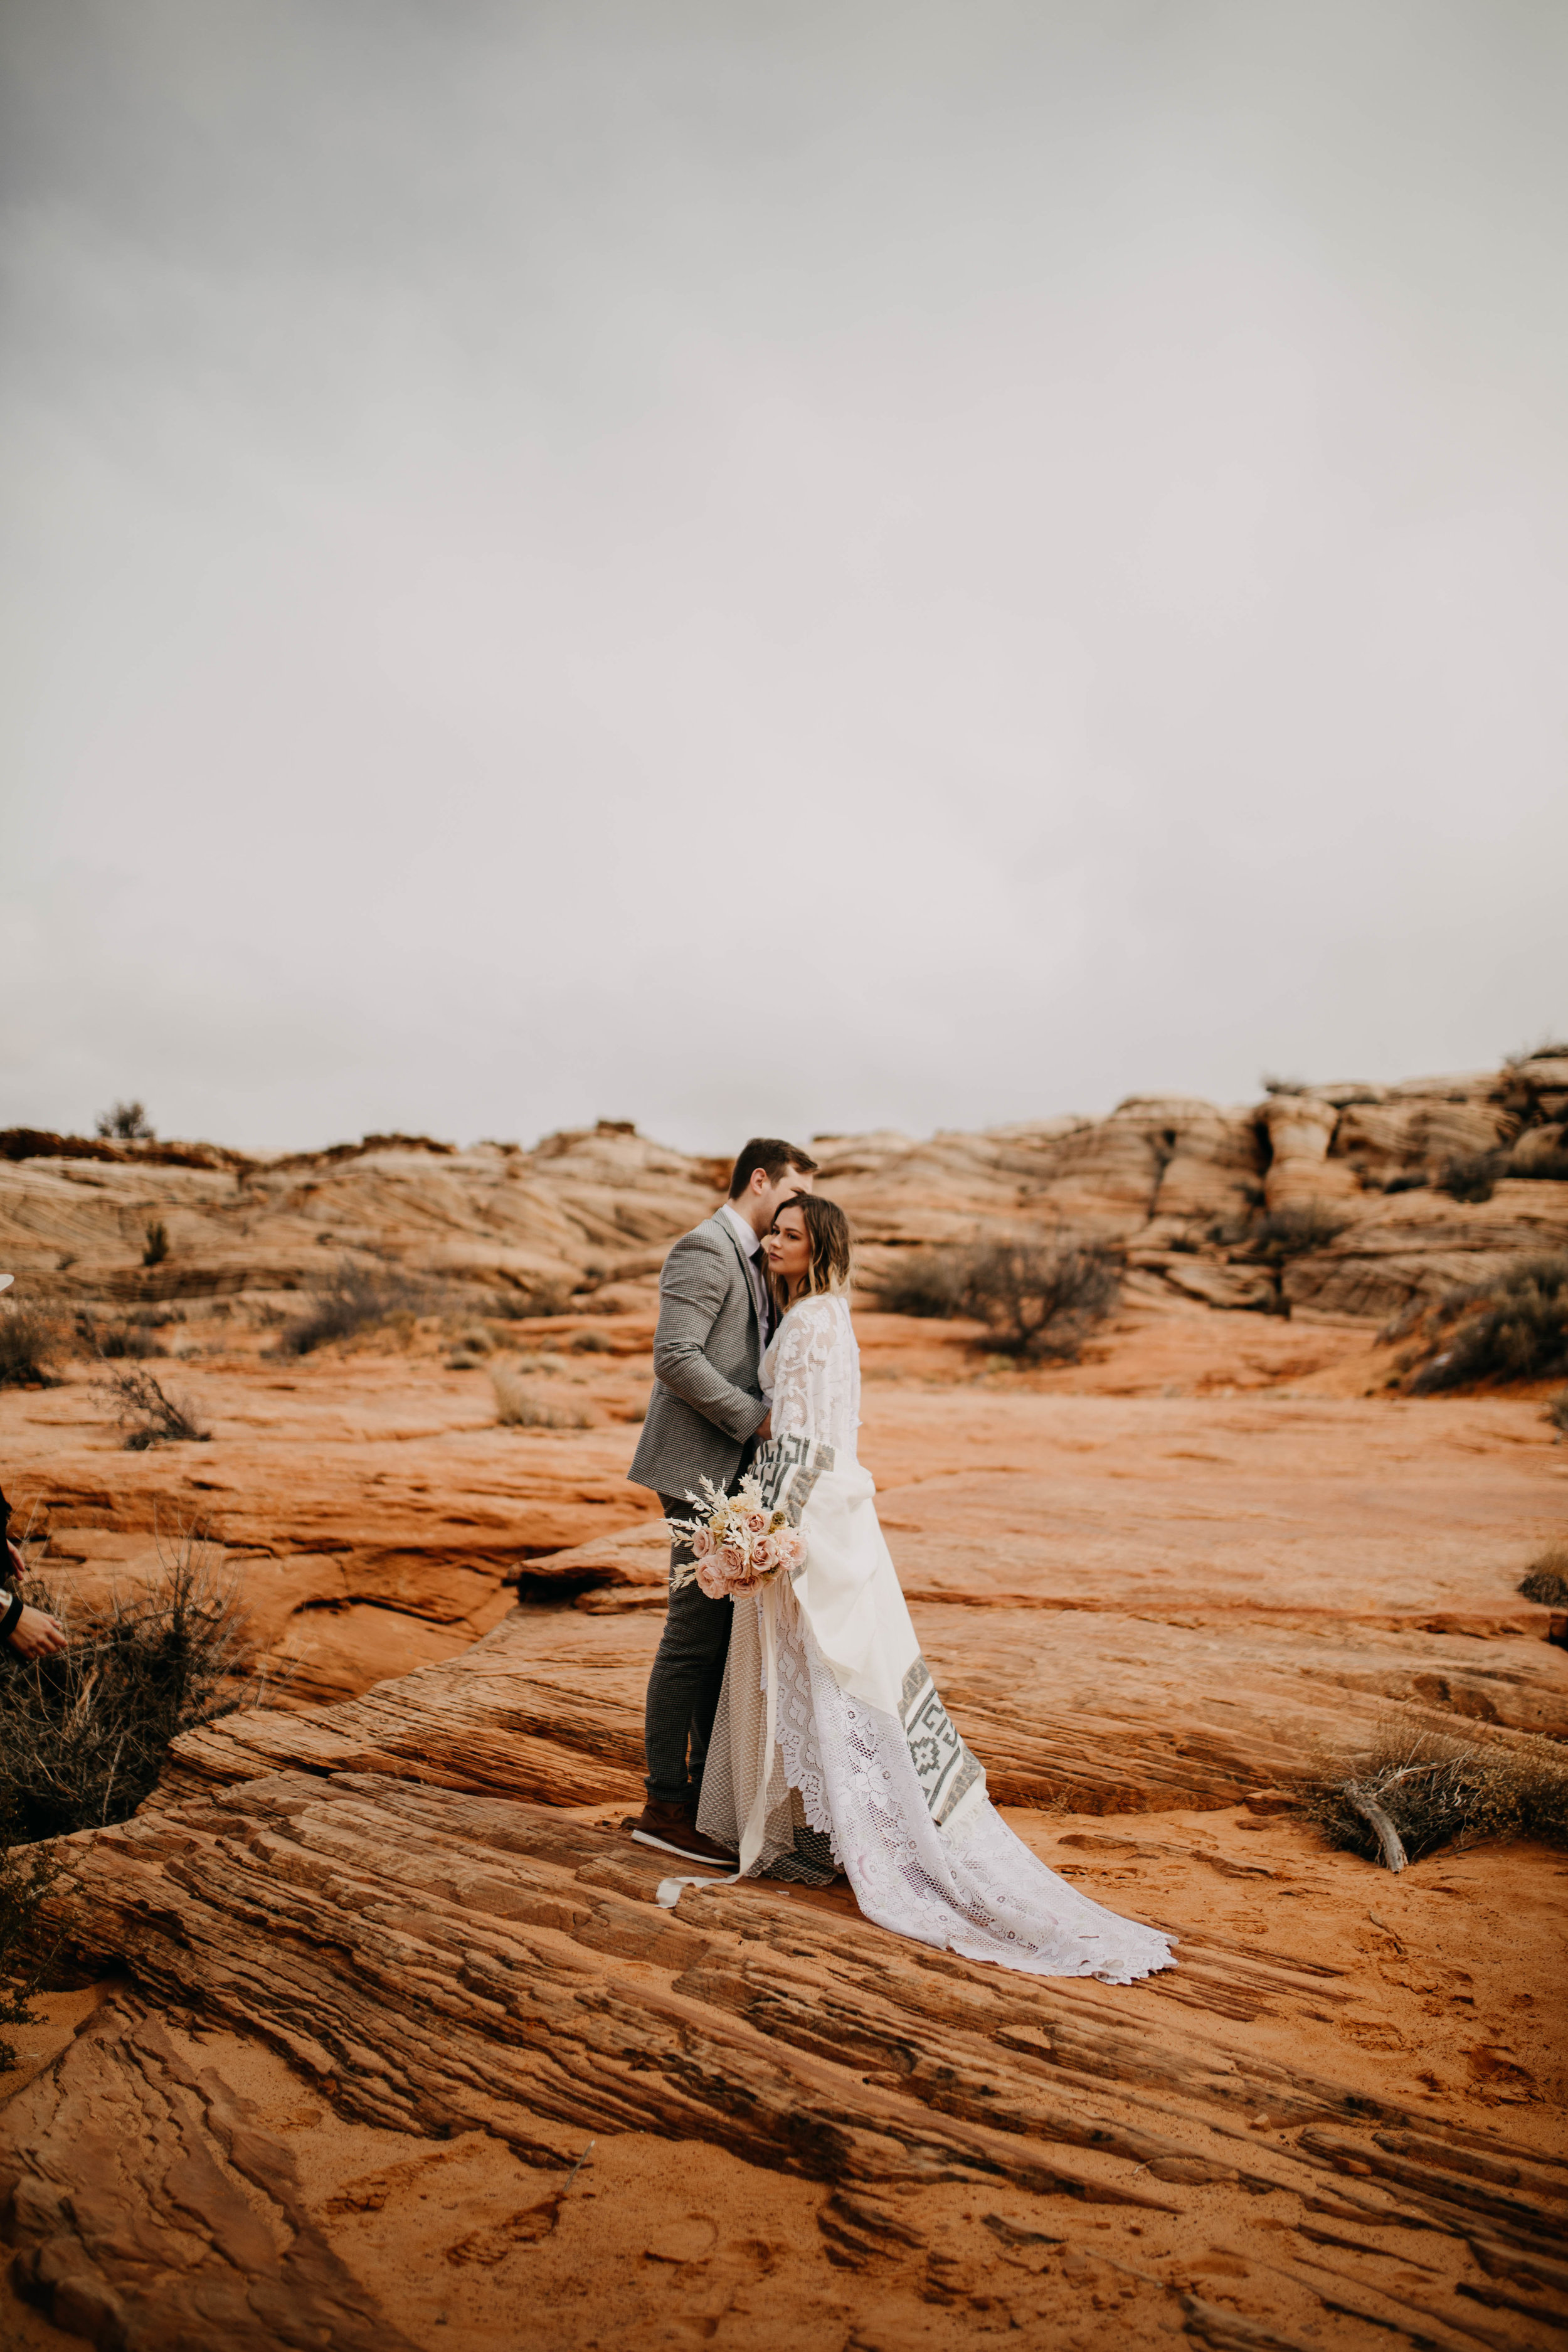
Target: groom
{"type": "Point", "coordinates": [705, 1420]}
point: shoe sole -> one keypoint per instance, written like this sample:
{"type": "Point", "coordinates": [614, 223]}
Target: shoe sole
{"type": "Point", "coordinates": [684, 1853]}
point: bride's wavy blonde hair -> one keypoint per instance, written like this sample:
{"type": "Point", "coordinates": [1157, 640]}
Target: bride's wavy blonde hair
{"type": "Point", "coordinates": [827, 1238]}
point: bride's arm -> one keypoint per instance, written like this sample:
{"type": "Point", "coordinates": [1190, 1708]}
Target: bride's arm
{"type": "Point", "coordinates": [808, 1371]}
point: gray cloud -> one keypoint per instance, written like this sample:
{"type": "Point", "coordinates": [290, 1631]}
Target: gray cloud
{"type": "Point", "coordinates": [854, 565]}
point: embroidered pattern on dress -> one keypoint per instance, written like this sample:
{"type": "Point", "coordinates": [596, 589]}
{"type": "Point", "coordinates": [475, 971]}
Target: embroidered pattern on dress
{"type": "Point", "coordinates": [947, 1768]}
{"type": "Point", "coordinates": [788, 1468]}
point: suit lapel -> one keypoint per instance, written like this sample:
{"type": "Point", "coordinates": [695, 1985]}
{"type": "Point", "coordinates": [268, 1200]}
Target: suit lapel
{"type": "Point", "coordinates": [734, 1240]}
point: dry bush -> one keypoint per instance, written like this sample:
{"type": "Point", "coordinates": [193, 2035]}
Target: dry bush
{"type": "Point", "coordinates": [155, 1244]}
{"type": "Point", "coordinates": [1472, 1175]}
{"type": "Point", "coordinates": [927, 1283]}
{"type": "Point", "coordinates": [1546, 1579]}
{"type": "Point", "coordinates": [1281, 1233]}
{"type": "Point", "coordinates": [1039, 1298]}
{"type": "Point", "coordinates": [591, 1343]}
{"type": "Point", "coordinates": [27, 1346]}
{"type": "Point", "coordinates": [1415, 1791]}
{"type": "Point", "coordinates": [83, 1734]}
{"type": "Point", "coordinates": [541, 1297]}
{"type": "Point", "coordinates": [518, 1406]}
{"type": "Point", "coordinates": [127, 1121]}
{"type": "Point", "coordinates": [148, 1414]}
{"type": "Point", "coordinates": [1557, 1412]}
{"type": "Point", "coordinates": [26, 1877]}
{"type": "Point", "coordinates": [357, 1298]}
{"type": "Point", "coordinates": [116, 1341]}
{"type": "Point", "coordinates": [1511, 1327]}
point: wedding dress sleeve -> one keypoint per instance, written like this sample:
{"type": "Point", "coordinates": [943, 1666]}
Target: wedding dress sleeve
{"type": "Point", "coordinates": [816, 1374]}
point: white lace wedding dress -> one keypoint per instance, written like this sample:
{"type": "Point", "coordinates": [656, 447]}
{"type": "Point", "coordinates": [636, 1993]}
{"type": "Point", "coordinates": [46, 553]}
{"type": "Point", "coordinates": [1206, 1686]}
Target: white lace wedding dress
{"type": "Point", "coordinates": [832, 1749]}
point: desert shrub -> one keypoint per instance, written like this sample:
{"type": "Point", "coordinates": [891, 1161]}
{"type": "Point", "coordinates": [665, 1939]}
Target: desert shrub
{"type": "Point", "coordinates": [115, 1341]}
{"type": "Point", "coordinates": [83, 1733]}
{"type": "Point", "coordinates": [1415, 1791]}
{"type": "Point", "coordinates": [475, 1339]}
{"type": "Point", "coordinates": [591, 1343]}
{"type": "Point", "coordinates": [923, 1282]}
{"type": "Point", "coordinates": [1039, 1299]}
{"type": "Point", "coordinates": [541, 1297]}
{"type": "Point", "coordinates": [1412, 1181]}
{"type": "Point", "coordinates": [155, 1247]}
{"type": "Point", "coordinates": [518, 1406]}
{"type": "Point", "coordinates": [1472, 1175]}
{"type": "Point", "coordinates": [1513, 1327]}
{"type": "Point", "coordinates": [26, 1876]}
{"type": "Point", "coordinates": [26, 1344]}
{"type": "Point", "coordinates": [1557, 1412]}
{"type": "Point", "coordinates": [148, 1415]}
{"type": "Point", "coordinates": [357, 1298]}
{"type": "Point", "coordinates": [1546, 1579]}
{"type": "Point", "coordinates": [126, 1121]}
{"type": "Point", "coordinates": [1281, 1233]}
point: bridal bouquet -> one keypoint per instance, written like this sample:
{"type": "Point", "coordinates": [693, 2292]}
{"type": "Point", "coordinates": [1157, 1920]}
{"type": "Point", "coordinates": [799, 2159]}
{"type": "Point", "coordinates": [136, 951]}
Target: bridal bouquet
{"type": "Point", "coordinates": [740, 1545]}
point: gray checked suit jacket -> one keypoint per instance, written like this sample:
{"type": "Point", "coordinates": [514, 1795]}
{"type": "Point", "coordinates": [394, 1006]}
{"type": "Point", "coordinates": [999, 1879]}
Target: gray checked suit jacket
{"type": "Point", "coordinates": [707, 1400]}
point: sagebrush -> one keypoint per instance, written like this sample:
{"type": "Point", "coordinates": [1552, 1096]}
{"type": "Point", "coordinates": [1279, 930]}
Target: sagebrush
{"type": "Point", "coordinates": [1511, 1327]}
{"type": "Point", "coordinates": [1038, 1298]}
{"type": "Point", "coordinates": [27, 1348]}
{"type": "Point", "coordinates": [148, 1414]}
{"type": "Point", "coordinates": [927, 1283]}
{"type": "Point", "coordinates": [1414, 1792]}
{"type": "Point", "coordinates": [83, 1734]}
{"type": "Point", "coordinates": [356, 1299]}
{"type": "Point", "coordinates": [1546, 1579]}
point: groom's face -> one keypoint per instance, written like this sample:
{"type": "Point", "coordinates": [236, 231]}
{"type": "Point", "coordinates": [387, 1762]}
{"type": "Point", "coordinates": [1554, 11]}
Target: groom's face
{"type": "Point", "coordinates": [766, 1197]}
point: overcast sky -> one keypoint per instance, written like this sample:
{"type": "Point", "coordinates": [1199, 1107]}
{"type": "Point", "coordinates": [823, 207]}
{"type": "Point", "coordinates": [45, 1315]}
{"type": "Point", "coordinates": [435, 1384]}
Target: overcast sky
{"type": "Point", "coordinates": [801, 567]}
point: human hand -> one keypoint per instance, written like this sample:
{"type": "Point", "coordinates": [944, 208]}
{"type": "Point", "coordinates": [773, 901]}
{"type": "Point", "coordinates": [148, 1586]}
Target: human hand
{"type": "Point", "coordinates": [765, 1430]}
{"type": "Point", "coordinates": [37, 1635]}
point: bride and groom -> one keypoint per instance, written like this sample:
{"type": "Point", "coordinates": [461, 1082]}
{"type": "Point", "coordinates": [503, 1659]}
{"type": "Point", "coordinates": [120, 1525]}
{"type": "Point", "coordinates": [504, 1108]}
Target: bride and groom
{"type": "Point", "coordinates": [793, 1730]}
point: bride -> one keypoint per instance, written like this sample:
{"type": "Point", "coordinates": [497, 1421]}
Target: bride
{"type": "Point", "coordinates": [832, 1751]}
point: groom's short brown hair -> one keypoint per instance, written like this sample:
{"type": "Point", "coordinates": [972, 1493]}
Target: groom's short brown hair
{"type": "Point", "coordinates": [773, 1155]}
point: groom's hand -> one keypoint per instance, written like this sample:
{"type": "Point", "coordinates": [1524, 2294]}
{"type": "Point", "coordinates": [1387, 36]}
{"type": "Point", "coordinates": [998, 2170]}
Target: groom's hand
{"type": "Point", "coordinates": [764, 1429]}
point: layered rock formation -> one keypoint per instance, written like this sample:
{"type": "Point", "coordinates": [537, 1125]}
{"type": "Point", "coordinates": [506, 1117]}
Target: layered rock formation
{"type": "Point", "coordinates": [1174, 1182]}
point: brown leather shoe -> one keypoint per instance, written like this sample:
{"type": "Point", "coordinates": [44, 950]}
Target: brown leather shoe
{"type": "Point", "coordinates": [672, 1829]}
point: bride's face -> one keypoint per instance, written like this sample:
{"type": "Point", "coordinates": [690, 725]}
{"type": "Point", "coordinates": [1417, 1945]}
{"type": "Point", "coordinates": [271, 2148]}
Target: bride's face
{"type": "Point", "coordinates": [789, 1252]}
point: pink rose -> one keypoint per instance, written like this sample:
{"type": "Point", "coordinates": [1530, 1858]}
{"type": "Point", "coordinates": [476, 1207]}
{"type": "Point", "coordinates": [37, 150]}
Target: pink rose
{"type": "Point", "coordinates": [765, 1555]}
{"type": "Point", "coordinates": [755, 1523]}
{"type": "Point", "coordinates": [732, 1553]}
{"type": "Point", "coordinates": [711, 1578]}
{"type": "Point", "coordinates": [701, 1544]}
{"type": "Point", "coordinates": [791, 1548]}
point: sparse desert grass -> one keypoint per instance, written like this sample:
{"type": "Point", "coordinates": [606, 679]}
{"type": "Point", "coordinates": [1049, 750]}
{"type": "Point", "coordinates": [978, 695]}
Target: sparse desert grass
{"type": "Point", "coordinates": [1417, 1791]}
{"type": "Point", "coordinates": [357, 1298]}
{"type": "Point", "coordinates": [519, 1406]}
{"type": "Point", "coordinates": [1546, 1579]}
{"type": "Point", "coordinates": [591, 1343]}
{"type": "Point", "coordinates": [27, 1348]}
{"type": "Point", "coordinates": [1511, 1327]}
{"type": "Point", "coordinates": [83, 1734]}
{"type": "Point", "coordinates": [148, 1414]}
{"type": "Point", "coordinates": [155, 1245]}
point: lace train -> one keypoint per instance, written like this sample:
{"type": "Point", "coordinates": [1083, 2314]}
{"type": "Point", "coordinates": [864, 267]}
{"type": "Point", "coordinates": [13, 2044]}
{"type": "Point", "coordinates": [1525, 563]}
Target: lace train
{"type": "Point", "coordinates": [974, 1888]}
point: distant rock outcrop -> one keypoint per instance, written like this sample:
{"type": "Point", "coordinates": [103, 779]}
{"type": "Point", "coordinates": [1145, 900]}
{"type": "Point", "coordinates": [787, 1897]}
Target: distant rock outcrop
{"type": "Point", "coordinates": [1177, 1183]}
